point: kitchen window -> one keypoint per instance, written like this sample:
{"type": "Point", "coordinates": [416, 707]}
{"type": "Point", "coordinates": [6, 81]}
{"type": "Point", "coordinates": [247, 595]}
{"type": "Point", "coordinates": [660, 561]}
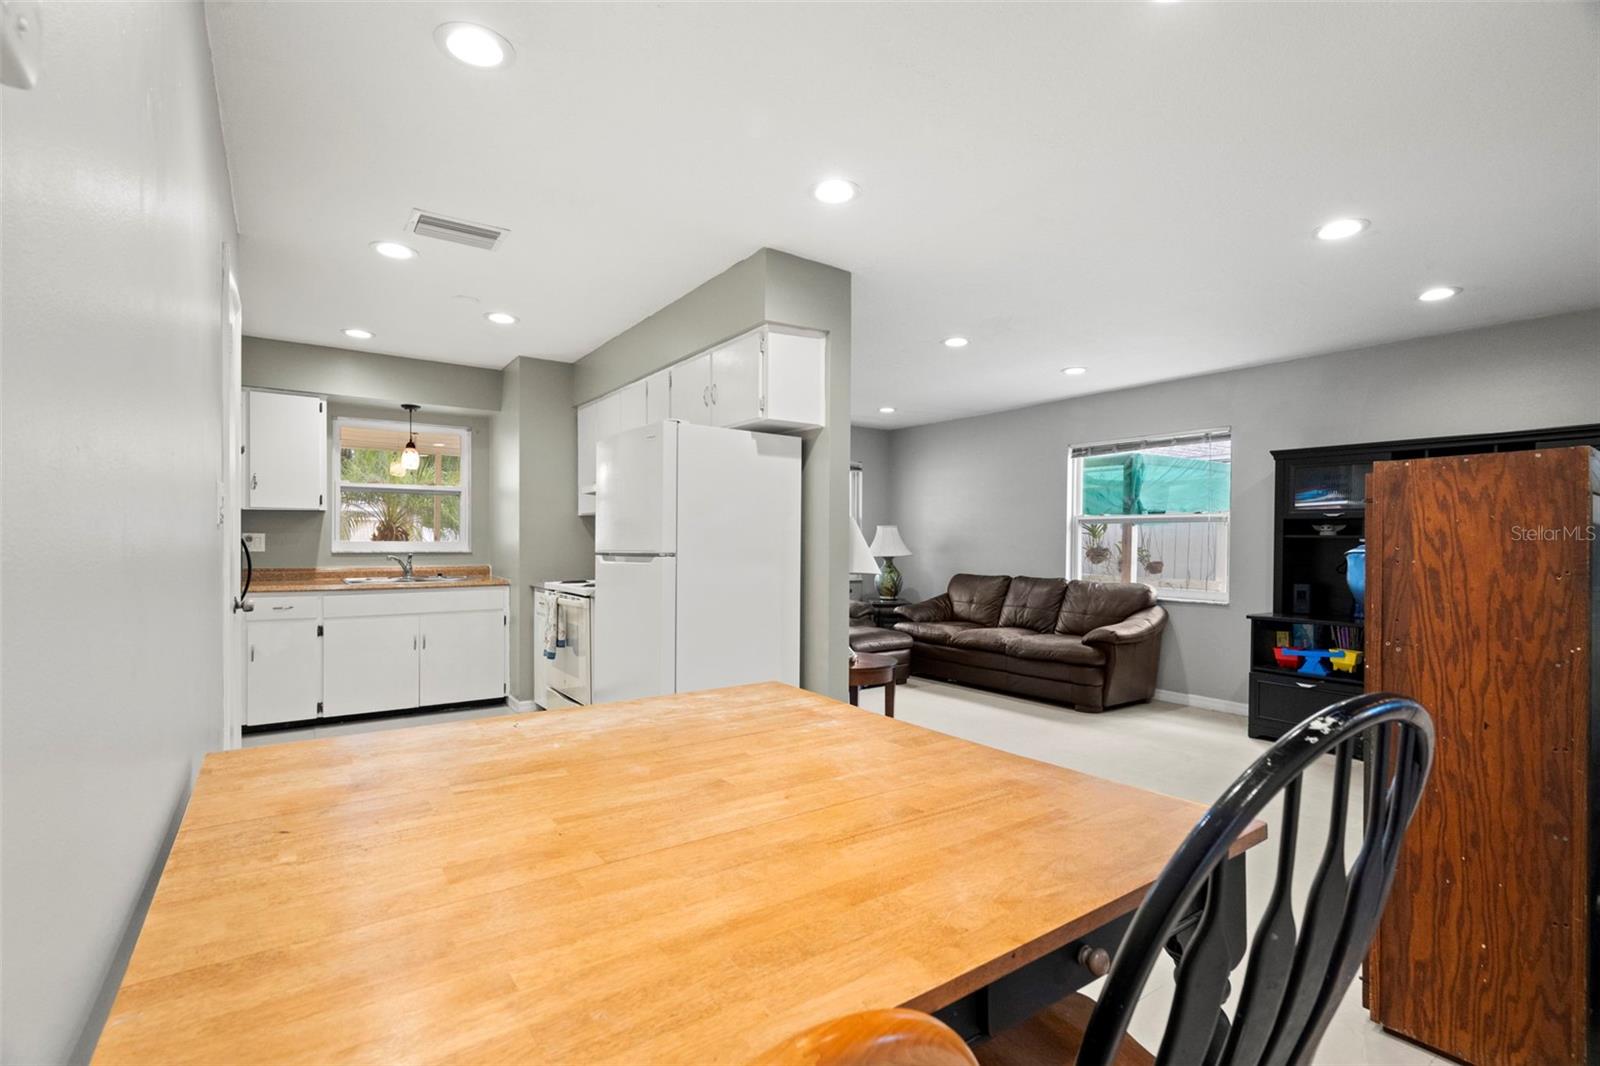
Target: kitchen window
{"type": "Point", "coordinates": [1155, 511]}
{"type": "Point", "coordinates": [385, 507]}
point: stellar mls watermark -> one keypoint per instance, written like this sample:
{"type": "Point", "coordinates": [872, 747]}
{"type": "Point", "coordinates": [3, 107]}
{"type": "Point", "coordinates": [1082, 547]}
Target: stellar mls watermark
{"type": "Point", "coordinates": [1549, 533]}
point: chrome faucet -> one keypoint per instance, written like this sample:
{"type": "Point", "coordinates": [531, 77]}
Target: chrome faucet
{"type": "Point", "coordinates": [405, 566]}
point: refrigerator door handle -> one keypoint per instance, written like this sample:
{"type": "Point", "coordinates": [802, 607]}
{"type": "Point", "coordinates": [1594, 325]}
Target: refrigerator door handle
{"type": "Point", "coordinates": [634, 557]}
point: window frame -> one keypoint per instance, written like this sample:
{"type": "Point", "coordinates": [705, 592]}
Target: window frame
{"type": "Point", "coordinates": [461, 546]}
{"type": "Point", "coordinates": [1222, 519]}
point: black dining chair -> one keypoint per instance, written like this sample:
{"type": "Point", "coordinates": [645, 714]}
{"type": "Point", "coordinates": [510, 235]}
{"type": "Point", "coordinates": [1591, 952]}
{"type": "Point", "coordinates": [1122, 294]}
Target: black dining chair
{"type": "Point", "coordinates": [1295, 975]}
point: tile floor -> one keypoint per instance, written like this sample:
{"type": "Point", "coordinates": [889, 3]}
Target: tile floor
{"type": "Point", "coordinates": [1182, 751]}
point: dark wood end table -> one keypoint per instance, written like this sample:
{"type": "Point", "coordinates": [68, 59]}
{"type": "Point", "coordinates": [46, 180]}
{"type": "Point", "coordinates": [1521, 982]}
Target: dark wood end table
{"type": "Point", "coordinates": [870, 671]}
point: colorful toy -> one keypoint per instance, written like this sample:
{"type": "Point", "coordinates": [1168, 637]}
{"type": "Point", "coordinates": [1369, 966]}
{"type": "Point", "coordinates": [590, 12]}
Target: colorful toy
{"type": "Point", "coordinates": [1288, 658]}
{"type": "Point", "coordinates": [1345, 660]}
{"type": "Point", "coordinates": [1316, 661]}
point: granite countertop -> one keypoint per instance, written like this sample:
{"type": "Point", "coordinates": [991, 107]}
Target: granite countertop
{"type": "Point", "coordinates": [268, 580]}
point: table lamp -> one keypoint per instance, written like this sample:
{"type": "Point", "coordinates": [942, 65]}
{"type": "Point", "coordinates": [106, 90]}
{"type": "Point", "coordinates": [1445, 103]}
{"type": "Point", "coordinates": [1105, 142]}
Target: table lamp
{"type": "Point", "coordinates": [888, 545]}
{"type": "Point", "coordinates": [861, 560]}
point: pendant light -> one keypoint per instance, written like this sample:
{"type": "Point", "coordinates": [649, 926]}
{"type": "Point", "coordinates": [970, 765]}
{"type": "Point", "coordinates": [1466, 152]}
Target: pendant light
{"type": "Point", "coordinates": [410, 459]}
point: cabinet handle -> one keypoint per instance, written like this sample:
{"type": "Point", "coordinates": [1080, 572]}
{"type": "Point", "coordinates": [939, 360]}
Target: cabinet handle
{"type": "Point", "coordinates": [713, 393]}
{"type": "Point", "coordinates": [424, 642]}
{"type": "Point", "coordinates": [254, 483]}
{"type": "Point", "coordinates": [252, 653]}
{"type": "Point", "coordinates": [1305, 684]}
{"type": "Point", "coordinates": [705, 396]}
{"type": "Point", "coordinates": [413, 643]}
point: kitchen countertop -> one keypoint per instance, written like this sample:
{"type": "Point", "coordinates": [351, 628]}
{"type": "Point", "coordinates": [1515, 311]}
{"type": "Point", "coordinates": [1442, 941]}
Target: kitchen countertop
{"type": "Point", "coordinates": [268, 580]}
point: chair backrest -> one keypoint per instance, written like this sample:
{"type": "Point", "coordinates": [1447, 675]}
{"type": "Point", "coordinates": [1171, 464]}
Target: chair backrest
{"type": "Point", "coordinates": [1293, 980]}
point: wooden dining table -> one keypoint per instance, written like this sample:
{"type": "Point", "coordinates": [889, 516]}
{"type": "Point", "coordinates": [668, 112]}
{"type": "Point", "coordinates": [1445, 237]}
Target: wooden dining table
{"type": "Point", "coordinates": [686, 879]}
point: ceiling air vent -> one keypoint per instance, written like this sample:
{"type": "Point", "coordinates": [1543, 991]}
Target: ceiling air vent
{"type": "Point", "coordinates": [472, 234]}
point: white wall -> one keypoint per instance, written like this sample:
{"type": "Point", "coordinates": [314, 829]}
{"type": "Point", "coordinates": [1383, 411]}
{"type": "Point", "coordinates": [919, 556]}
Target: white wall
{"type": "Point", "coordinates": [988, 494]}
{"type": "Point", "coordinates": [116, 206]}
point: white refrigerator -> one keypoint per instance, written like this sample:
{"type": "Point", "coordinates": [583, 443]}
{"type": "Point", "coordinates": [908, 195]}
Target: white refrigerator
{"type": "Point", "coordinates": [697, 560]}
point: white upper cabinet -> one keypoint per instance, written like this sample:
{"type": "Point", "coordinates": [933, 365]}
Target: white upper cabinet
{"type": "Point", "coordinates": [772, 379]}
{"type": "Point", "coordinates": [691, 390]}
{"type": "Point", "coordinates": [657, 397]}
{"type": "Point", "coordinates": [625, 409]}
{"type": "Point", "coordinates": [286, 451]}
{"type": "Point", "coordinates": [588, 425]}
{"type": "Point", "coordinates": [736, 381]}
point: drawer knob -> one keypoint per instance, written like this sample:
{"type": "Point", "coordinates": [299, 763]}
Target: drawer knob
{"type": "Point", "coordinates": [1096, 960]}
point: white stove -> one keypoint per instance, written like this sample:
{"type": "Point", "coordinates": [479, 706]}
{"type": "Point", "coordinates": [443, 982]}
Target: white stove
{"type": "Point", "coordinates": [563, 664]}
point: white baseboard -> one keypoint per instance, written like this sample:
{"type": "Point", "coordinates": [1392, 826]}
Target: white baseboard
{"type": "Point", "coordinates": [521, 705]}
{"type": "Point", "coordinates": [1205, 703]}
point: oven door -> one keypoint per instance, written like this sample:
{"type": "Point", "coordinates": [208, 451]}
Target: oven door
{"type": "Point", "coordinates": [569, 673]}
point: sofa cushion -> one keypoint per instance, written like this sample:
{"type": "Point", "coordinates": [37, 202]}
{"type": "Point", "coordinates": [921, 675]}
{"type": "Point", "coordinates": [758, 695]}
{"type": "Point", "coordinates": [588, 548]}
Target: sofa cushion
{"type": "Point", "coordinates": [1054, 647]}
{"type": "Point", "coordinates": [1043, 669]}
{"type": "Point", "coordinates": [994, 640]}
{"type": "Point", "coordinates": [934, 632]}
{"type": "Point", "coordinates": [977, 598]}
{"type": "Point", "coordinates": [1033, 603]}
{"type": "Point", "coordinates": [1090, 604]}
{"type": "Point", "coordinates": [877, 641]}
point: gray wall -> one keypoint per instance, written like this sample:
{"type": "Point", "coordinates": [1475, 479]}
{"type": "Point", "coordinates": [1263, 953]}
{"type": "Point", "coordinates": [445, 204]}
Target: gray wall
{"type": "Point", "coordinates": [775, 287]}
{"type": "Point", "coordinates": [538, 534]}
{"type": "Point", "coordinates": [871, 448]}
{"type": "Point", "coordinates": [305, 538]}
{"type": "Point", "coordinates": [988, 494]}
{"type": "Point", "coordinates": [368, 377]}
{"type": "Point", "coordinates": [116, 209]}
{"type": "Point", "coordinates": [801, 292]}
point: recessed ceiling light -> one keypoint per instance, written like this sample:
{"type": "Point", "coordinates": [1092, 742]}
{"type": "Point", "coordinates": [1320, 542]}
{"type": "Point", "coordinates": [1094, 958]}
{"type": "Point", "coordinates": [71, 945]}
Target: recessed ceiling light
{"type": "Point", "coordinates": [886, 410]}
{"type": "Point", "coordinates": [1340, 228]}
{"type": "Point", "coordinates": [501, 318]}
{"type": "Point", "coordinates": [1437, 293]}
{"type": "Point", "coordinates": [1074, 371]}
{"type": "Point", "coordinates": [394, 250]}
{"type": "Point", "coordinates": [955, 342]}
{"type": "Point", "coordinates": [835, 191]}
{"type": "Point", "coordinates": [474, 45]}
{"type": "Point", "coordinates": [358, 334]}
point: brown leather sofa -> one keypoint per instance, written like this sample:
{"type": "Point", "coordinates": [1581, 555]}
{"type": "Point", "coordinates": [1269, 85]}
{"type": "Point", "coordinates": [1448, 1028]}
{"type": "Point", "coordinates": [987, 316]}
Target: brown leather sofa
{"type": "Point", "coordinates": [867, 636]}
{"type": "Point", "coordinates": [1092, 644]}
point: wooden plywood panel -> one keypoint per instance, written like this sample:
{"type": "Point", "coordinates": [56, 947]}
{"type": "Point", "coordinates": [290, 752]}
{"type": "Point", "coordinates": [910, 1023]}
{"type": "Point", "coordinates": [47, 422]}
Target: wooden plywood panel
{"type": "Point", "coordinates": [1479, 607]}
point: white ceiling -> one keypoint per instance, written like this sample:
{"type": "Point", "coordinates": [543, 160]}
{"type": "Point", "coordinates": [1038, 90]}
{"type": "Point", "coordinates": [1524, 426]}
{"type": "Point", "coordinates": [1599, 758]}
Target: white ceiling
{"type": "Point", "coordinates": [1128, 187]}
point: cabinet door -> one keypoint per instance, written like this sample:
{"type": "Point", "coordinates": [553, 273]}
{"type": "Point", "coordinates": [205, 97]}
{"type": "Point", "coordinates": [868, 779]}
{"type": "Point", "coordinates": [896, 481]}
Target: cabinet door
{"type": "Point", "coordinates": [369, 664]}
{"type": "Point", "coordinates": [286, 451]}
{"type": "Point", "coordinates": [691, 390]}
{"type": "Point", "coordinates": [463, 657]}
{"type": "Point", "coordinates": [588, 419]}
{"type": "Point", "coordinates": [283, 672]}
{"type": "Point", "coordinates": [629, 407]}
{"type": "Point", "coordinates": [657, 393]}
{"type": "Point", "coordinates": [736, 381]}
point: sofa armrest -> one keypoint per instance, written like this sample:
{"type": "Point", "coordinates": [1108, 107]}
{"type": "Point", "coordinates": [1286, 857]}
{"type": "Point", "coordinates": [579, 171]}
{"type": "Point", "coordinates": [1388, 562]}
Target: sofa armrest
{"type": "Point", "coordinates": [937, 609]}
{"type": "Point", "coordinates": [1141, 625]}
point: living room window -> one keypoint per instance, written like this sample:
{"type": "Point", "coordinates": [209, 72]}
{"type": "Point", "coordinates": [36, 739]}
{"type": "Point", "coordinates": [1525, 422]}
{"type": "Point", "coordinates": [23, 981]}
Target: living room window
{"type": "Point", "coordinates": [1155, 511]}
{"type": "Point", "coordinates": [384, 504]}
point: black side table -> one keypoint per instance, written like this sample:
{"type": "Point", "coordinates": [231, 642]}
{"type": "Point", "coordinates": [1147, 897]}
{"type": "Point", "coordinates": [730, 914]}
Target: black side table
{"type": "Point", "coordinates": [883, 615]}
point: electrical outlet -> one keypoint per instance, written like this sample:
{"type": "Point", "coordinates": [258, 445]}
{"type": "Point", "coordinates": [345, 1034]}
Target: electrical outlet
{"type": "Point", "coordinates": [256, 542]}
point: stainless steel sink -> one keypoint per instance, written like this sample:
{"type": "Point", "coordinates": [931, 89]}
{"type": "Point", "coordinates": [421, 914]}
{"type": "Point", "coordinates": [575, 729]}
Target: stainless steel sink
{"type": "Point", "coordinates": [420, 579]}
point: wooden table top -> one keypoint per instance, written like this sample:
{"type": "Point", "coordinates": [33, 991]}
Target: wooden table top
{"type": "Point", "coordinates": [684, 879]}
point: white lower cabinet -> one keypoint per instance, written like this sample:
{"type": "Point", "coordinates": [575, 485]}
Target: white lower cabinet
{"type": "Point", "coordinates": [283, 671]}
{"type": "Point", "coordinates": [347, 653]}
{"type": "Point", "coordinates": [370, 664]}
{"type": "Point", "coordinates": [463, 657]}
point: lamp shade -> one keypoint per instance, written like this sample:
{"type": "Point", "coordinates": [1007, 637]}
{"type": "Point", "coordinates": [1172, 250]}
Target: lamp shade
{"type": "Point", "coordinates": [887, 544]}
{"type": "Point", "coordinates": [861, 560]}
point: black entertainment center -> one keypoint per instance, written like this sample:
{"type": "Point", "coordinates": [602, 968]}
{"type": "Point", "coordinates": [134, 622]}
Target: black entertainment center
{"type": "Point", "coordinates": [1319, 514]}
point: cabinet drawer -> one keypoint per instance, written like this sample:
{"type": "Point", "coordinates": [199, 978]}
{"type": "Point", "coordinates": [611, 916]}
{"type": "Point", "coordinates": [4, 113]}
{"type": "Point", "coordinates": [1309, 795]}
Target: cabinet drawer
{"type": "Point", "coordinates": [278, 608]}
{"type": "Point", "coordinates": [420, 601]}
{"type": "Point", "coordinates": [1287, 701]}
